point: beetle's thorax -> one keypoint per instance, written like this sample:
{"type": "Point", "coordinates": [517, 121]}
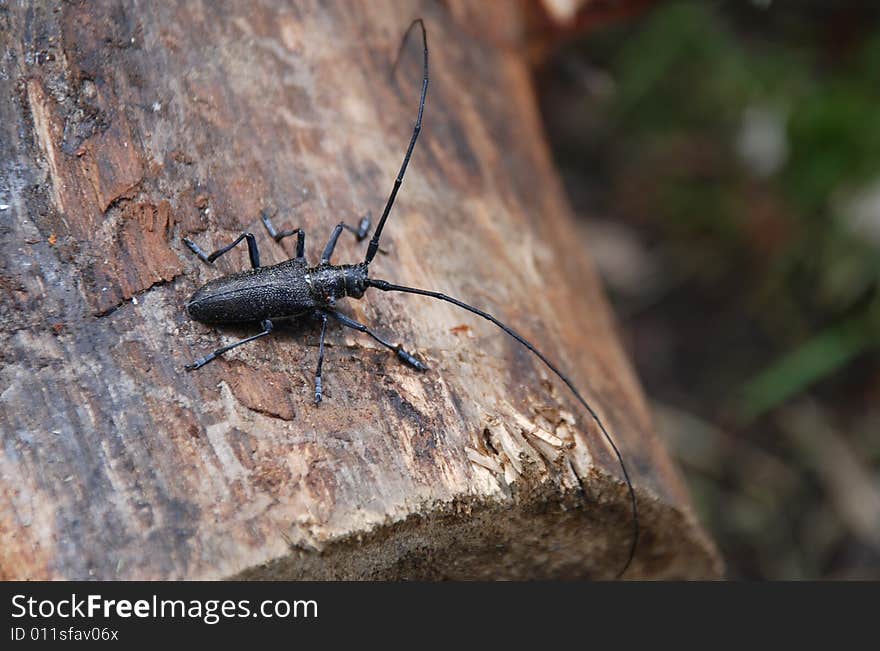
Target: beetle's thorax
{"type": "Point", "coordinates": [328, 283]}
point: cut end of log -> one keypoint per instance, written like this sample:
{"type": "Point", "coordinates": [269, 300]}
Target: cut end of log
{"type": "Point", "coordinates": [541, 534]}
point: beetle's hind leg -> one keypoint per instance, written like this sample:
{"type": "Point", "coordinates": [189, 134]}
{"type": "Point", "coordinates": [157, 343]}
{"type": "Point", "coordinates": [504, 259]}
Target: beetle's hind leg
{"type": "Point", "coordinates": [199, 363]}
{"type": "Point", "coordinates": [407, 358]}
{"type": "Point", "coordinates": [319, 390]}
{"type": "Point", "coordinates": [253, 251]}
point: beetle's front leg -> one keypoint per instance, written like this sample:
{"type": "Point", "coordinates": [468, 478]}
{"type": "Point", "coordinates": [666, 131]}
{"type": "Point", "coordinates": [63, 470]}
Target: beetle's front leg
{"type": "Point", "coordinates": [407, 358]}
{"type": "Point", "coordinates": [360, 232]}
{"type": "Point", "coordinates": [363, 229]}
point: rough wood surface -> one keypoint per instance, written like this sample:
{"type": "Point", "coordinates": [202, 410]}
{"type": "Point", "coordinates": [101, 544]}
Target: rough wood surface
{"type": "Point", "coordinates": [124, 126]}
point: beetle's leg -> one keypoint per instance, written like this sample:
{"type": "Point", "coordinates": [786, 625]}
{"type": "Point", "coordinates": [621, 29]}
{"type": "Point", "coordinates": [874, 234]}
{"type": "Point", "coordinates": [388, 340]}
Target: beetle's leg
{"type": "Point", "coordinates": [199, 363]}
{"type": "Point", "coordinates": [362, 229]}
{"type": "Point", "coordinates": [253, 251]}
{"type": "Point", "coordinates": [319, 391]}
{"type": "Point", "coordinates": [280, 235]}
{"type": "Point", "coordinates": [331, 243]}
{"type": "Point", "coordinates": [402, 355]}
{"type": "Point", "coordinates": [360, 232]}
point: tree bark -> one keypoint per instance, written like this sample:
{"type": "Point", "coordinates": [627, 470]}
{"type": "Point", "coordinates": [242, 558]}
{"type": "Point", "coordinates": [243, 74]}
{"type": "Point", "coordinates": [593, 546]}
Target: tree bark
{"type": "Point", "coordinates": [126, 126]}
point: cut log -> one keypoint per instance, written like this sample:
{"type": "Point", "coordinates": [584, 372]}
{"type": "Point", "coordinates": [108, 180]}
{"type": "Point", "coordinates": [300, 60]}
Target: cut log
{"type": "Point", "coordinates": [128, 126]}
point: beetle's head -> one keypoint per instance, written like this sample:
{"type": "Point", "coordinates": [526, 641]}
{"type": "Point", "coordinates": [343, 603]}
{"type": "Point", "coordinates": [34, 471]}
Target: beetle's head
{"type": "Point", "coordinates": [356, 280]}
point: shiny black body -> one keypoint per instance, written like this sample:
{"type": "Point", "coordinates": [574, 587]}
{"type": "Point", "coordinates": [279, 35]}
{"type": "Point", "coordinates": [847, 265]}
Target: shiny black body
{"type": "Point", "coordinates": [286, 290]}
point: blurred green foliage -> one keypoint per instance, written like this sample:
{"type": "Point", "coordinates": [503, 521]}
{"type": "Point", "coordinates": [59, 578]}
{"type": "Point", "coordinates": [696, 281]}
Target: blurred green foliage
{"type": "Point", "coordinates": [809, 272]}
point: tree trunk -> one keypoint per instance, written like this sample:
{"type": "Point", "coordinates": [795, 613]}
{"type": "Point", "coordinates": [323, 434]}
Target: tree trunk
{"type": "Point", "coordinates": [126, 126]}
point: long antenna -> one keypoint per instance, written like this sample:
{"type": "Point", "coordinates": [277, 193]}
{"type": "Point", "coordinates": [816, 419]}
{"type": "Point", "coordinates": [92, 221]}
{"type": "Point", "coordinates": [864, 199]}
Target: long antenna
{"type": "Point", "coordinates": [373, 248]}
{"type": "Point", "coordinates": [385, 286]}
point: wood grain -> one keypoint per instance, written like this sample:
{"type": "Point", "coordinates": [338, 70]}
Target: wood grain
{"type": "Point", "coordinates": [124, 127]}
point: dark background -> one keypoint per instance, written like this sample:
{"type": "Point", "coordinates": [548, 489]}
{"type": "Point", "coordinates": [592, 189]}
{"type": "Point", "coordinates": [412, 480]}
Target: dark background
{"type": "Point", "coordinates": [724, 159]}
